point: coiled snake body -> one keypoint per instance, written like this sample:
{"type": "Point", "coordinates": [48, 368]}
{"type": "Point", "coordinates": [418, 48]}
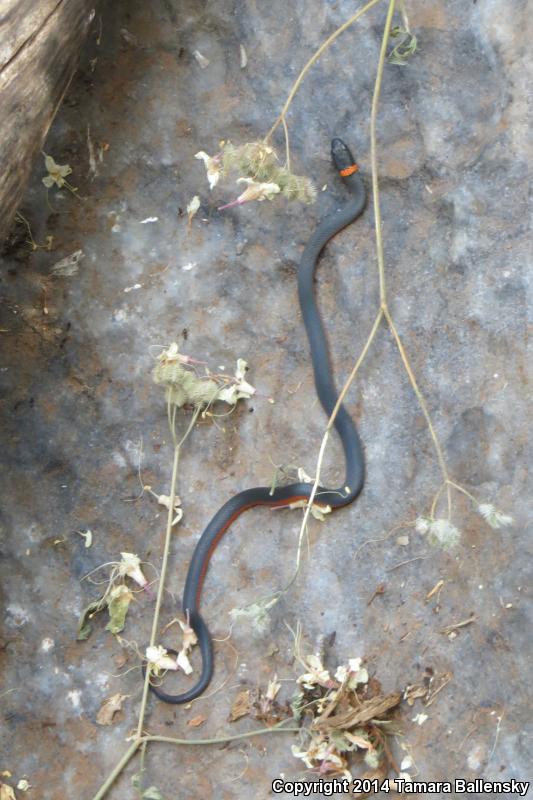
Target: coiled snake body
{"type": "Point", "coordinates": [327, 393]}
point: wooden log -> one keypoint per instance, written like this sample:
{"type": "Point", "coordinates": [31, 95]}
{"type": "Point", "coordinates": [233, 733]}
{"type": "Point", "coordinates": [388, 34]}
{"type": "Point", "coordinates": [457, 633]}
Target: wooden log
{"type": "Point", "coordinates": [40, 44]}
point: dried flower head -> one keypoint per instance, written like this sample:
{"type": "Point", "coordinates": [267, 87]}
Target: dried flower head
{"type": "Point", "coordinates": [439, 531]}
{"type": "Point", "coordinates": [256, 613]}
{"type": "Point", "coordinates": [130, 565]}
{"type": "Point", "coordinates": [189, 639]}
{"type": "Point", "coordinates": [56, 173]}
{"type": "Point", "coordinates": [257, 165]}
{"type": "Point", "coordinates": [213, 166]}
{"type": "Point", "coordinates": [255, 191]}
{"type": "Point", "coordinates": [185, 387]}
{"type": "Point", "coordinates": [422, 525]}
{"type": "Point", "coordinates": [353, 674]}
{"type": "Point", "coordinates": [317, 674]}
{"type": "Point", "coordinates": [496, 519]}
{"type": "Point", "coordinates": [159, 660]}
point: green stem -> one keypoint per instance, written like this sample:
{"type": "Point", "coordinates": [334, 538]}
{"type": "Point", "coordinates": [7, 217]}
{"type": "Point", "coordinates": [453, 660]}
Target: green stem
{"type": "Point", "coordinates": [219, 739]}
{"type": "Point", "coordinates": [104, 788]}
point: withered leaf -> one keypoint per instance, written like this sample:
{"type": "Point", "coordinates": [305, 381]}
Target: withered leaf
{"type": "Point", "coordinates": [195, 722]}
{"type": "Point", "coordinates": [365, 712]}
{"type": "Point", "coordinates": [109, 708]}
{"type": "Point", "coordinates": [241, 706]}
{"type": "Point", "coordinates": [84, 626]}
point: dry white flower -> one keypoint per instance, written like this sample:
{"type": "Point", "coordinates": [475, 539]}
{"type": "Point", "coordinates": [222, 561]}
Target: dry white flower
{"type": "Point", "coordinates": [164, 500]}
{"type": "Point", "coordinates": [442, 532]}
{"type": "Point", "coordinates": [193, 207]}
{"type": "Point", "coordinates": [255, 191]}
{"type": "Point", "coordinates": [422, 525]}
{"type": "Point", "coordinates": [496, 519]}
{"type": "Point", "coordinates": [317, 511]}
{"type": "Point", "coordinates": [159, 660]}
{"type": "Point", "coordinates": [303, 477]}
{"type": "Point", "coordinates": [356, 673]}
{"type": "Point", "coordinates": [189, 637]}
{"type": "Point", "coordinates": [213, 166]}
{"type": "Point", "coordinates": [273, 688]}
{"type": "Point", "coordinates": [184, 663]}
{"type": "Point", "coordinates": [201, 59]}
{"type": "Point", "coordinates": [56, 172]}
{"type": "Point", "coordinates": [240, 389]}
{"type": "Point", "coordinates": [316, 675]}
{"type": "Point", "coordinates": [130, 565]}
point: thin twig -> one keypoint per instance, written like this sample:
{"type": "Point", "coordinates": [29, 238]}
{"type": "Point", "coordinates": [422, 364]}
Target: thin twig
{"type": "Point", "coordinates": [166, 551]}
{"type": "Point", "coordinates": [450, 628]}
{"type": "Point", "coordinates": [423, 406]}
{"type": "Point", "coordinates": [287, 145]}
{"type": "Point", "coordinates": [409, 561]}
{"type": "Point", "coordinates": [374, 159]}
{"type": "Point", "coordinates": [314, 58]}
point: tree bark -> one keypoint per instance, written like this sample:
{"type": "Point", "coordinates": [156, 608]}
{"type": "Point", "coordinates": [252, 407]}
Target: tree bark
{"type": "Point", "coordinates": [40, 44]}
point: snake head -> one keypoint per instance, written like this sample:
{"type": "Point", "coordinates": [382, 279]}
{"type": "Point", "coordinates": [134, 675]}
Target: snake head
{"type": "Point", "coordinates": [342, 157]}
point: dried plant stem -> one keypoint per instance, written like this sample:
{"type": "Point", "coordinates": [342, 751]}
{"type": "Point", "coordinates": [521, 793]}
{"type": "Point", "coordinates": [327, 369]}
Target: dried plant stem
{"type": "Point", "coordinates": [111, 778]}
{"type": "Point", "coordinates": [315, 58]}
{"type": "Point", "coordinates": [423, 406]}
{"type": "Point", "coordinates": [287, 145]}
{"type": "Point", "coordinates": [221, 739]}
{"type": "Point", "coordinates": [383, 312]}
{"type": "Point", "coordinates": [166, 551]}
{"type": "Point", "coordinates": [144, 740]}
{"type": "Point", "coordinates": [374, 157]}
{"type": "Point", "coordinates": [324, 442]}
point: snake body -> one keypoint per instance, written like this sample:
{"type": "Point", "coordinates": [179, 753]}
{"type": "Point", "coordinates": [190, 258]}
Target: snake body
{"type": "Point", "coordinates": [327, 394]}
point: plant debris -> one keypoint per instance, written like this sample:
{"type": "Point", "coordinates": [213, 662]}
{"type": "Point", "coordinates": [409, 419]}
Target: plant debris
{"type": "Point", "coordinates": [241, 706]}
{"type": "Point", "coordinates": [450, 629]}
{"type": "Point", "coordinates": [192, 208]}
{"type": "Point", "coordinates": [201, 59]}
{"type": "Point", "coordinates": [118, 602]}
{"type": "Point", "coordinates": [341, 715]}
{"type": "Point", "coordinates": [428, 689]}
{"type": "Point", "coordinates": [68, 266]}
{"type": "Point", "coordinates": [57, 173]}
{"type": "Point", "coordinates": [185, 387]}
{"type": "Point", "coordinates": [256, 164]}
{"type": "Point", "coordinates": [439, 532]}
{"type": "Point", "coordinates": [159, 660]}
{"type": "Point", "coordinates": [195, 722]}
{"type": "Point", "coordinates": [109, 708]}
{"type": "Point", "coordinates": [164, 500]}
{"type": "Point", "coordinates": [496, 519]}
{"type": "Point", "coordinates": [116, 597]}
